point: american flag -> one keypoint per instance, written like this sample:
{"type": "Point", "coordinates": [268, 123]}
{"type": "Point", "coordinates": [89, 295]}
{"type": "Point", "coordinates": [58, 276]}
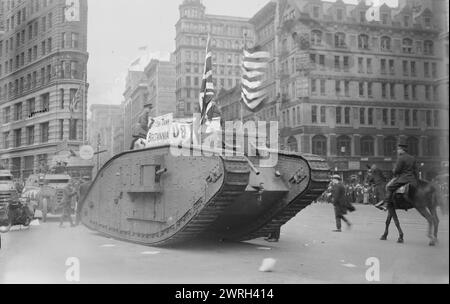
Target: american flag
{"type": "Point", "coordinates": [207, 90]}
{"type": "Point", "coordinates": [75, 100]}
{"type": "Point", "coordinates": [254, 68]}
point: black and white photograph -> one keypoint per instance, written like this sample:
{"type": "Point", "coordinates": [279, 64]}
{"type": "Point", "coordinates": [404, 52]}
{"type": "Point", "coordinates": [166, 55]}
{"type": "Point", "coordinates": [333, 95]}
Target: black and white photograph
{"type": "Point", "coordinates": [214, 145]}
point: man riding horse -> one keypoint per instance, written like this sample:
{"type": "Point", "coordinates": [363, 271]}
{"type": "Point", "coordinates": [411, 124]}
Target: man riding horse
{"type": "Point", "coordinates": [405, 172]}
{"type": "Point", "coordinates": [377, 179]}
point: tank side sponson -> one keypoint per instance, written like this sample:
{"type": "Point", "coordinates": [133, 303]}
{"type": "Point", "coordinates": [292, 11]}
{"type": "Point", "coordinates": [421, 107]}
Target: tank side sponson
{"type": "Point", "coordinates": [307, 177]}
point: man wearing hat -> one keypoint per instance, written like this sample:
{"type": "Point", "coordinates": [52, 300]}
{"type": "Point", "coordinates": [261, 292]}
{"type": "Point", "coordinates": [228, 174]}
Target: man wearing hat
{"type": "Point", "coordinates": [338, 200]}
{"type": "Point", "coordinates": [142, 126]}
{"type": "Point", "coordinates": [377, 179]}
{"type": "Point", "coordinates": [84, 188]}
{"type": "Point", "coordinates": [405, 172]}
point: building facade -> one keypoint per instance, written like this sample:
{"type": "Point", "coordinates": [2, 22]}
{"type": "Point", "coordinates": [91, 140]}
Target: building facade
{"type": "Point", "coordinates": [352, 89]}
{"type": "Point", "coordinates": [43, 59]}
{"type": "Point", "coordinates": [161, 79]}
{"type": "Point", "coordinates": [103, 123]}
{"type": "Point", "coordinates": [349, 89]}
{"type": "Point", "coordinates": [227, 40]}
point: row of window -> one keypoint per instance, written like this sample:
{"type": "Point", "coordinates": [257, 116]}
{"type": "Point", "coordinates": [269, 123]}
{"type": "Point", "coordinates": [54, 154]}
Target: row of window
{"type": "Point", "coordinates": [389, 117]}
{"type": "Point", "coordinates": [385, 44]}
{"type": "Point", "coordinates": [65, 70]}
{"type": "Point", "coordinates": [319, 146]}
{"type": "Point", "coordinates": [21, 15]}
{"type": "Point", "coordinates": [217, 29]}
{"type": "Point", "coordinates": [215, 42]}
{"type": "Point", "coordinates": [29, 109]}
{"type": "Point", "coordinates": [31, 138]}
{"type": "Point", "coordinates": [364, 89]}
{"type": "Point", "coordinates": [32, 54]}
{"type": "Point", "coordinates": [367, 116]}
{"type": "Point", "coordinates": [385, 16]}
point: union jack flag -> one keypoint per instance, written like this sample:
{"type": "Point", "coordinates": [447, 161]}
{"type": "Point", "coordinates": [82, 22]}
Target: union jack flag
{"type": "Point", "coordinates": [207, 91]}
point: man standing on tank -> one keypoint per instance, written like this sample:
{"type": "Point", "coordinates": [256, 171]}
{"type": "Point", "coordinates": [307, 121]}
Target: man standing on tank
{"type": "Point", "coordinates": [140, 129]}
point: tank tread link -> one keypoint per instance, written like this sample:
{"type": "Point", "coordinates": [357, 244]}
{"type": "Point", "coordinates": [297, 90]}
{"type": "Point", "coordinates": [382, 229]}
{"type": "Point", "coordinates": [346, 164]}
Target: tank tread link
{"type": "Point", "coordinates": [153, 198]}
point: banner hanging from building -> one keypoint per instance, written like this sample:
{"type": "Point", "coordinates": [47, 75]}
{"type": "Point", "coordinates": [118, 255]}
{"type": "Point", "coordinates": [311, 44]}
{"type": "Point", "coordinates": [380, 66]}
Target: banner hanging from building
{"type": "Point", "coordinates": [72, 10]}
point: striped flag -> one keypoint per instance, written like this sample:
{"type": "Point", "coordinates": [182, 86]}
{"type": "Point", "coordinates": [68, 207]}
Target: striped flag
{"type": "Point", "coordinates": [254, 67]}
{"type": "Point", "coordinates": [75, 100]}
{"type": "Point", "coordinates": [207, 90]}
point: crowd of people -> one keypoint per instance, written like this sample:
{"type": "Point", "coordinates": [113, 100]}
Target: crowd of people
{"type": "Point", "coordinates": [73, 194]}
{"type": "Point", "coordinates": [355, 193]}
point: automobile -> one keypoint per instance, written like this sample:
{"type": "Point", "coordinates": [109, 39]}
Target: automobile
{"type": "Point", "coordinates": [50, 193]}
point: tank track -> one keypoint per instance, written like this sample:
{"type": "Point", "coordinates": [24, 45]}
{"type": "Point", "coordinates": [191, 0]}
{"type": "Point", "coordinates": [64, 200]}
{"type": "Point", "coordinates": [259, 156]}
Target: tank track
{"type": "Point", "coordinates": [280, 215]}
{"type": "Point", "coordinates": [236, 179]}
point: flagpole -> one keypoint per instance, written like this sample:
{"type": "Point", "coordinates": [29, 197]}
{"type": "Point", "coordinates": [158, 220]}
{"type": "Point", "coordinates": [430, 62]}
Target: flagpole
{"type": "Point", "coordinates": [242, 106]}
{"type": "Point", "coordinates": [84, 106]}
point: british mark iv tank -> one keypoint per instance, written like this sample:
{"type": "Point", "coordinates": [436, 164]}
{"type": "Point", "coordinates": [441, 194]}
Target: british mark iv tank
{"type": "Point", "coordinates": [153, 197]}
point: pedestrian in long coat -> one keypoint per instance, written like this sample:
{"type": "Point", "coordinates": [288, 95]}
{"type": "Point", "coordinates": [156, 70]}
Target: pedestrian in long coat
{"type": "Point", "coordinates": [339, 203]}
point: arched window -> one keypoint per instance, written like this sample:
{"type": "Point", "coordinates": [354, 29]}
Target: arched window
{"type": "Point", "coordinates": [385, 43]}
{"type": "Point", "coordinates": [344, 147]}
{"type": "Point", "coordinates": [363, 42]}
{"type": "Point", "coordinates": [319, 145]}
{"type": "Point", "coordinates": [390, 144]}
{"type": "Point", "coordinates": [367, 146]}
{"type": "Point", "coordinates": [316, 37]}
{"type": "Point", "coordinates": [292, 144]}
{"type": "Point", "coordinates": [339, 40]}
{"type": "Point", "coordinates": [433, 146]}
{"type": "Point", "coordinates": [407, 46]}
{"type": "Point", "coordinates": [413, 146]}
{"type": "Point", "coordinates": [428, 48]}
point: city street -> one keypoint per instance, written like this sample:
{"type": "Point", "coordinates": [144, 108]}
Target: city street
{"type": "Point", "coordinates": [308, 252]}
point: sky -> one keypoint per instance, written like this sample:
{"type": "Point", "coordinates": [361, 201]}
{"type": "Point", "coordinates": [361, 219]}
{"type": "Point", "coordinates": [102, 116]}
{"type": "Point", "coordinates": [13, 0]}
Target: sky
{"type": "Point", "coordinates": [118, 28]}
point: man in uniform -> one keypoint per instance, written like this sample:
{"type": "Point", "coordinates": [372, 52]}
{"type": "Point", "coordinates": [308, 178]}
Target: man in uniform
{"type": "Point", "coordinates": [141, 128]}
{"type": "Point", "coordinates": [377, 179]}
{"type": "Point", "coordinates": [69, 193]}
{"type": "Point", "coordinates": [405, 172]}
{"type": "Point", "coordinates": [84, 187]}
{"type": "Point", "coordinates": [339, 203]}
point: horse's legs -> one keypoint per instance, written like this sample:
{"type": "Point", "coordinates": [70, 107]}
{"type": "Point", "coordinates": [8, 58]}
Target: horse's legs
{"type": "Point", "coordinates": [397, 224]}
{"type": "Point", "coordinates": [424, 212]}
{"type": "Point", "coordinates": [435, 217]}
{"type": "Point", "coordinates": [388, 223]}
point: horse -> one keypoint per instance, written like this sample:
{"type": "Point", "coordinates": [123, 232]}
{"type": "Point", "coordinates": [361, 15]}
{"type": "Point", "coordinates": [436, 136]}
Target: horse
{"type": "Point", "coordinates": [424, 199]}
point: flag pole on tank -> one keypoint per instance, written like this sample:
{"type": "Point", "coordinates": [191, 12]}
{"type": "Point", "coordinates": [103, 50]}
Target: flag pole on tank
{"type": "Point", "coordinates": [207, 91]}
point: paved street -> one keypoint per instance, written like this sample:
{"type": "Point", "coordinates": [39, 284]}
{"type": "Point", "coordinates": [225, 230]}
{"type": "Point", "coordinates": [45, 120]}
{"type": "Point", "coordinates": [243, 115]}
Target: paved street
{"type": "Point", "coordinates": [308, 253]}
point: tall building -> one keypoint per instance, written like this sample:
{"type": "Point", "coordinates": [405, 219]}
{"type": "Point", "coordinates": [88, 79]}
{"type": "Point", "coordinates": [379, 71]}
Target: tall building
{"type": "Point", "coordinates": [43, 59]}
{"type": "Point", "coordinates": [352, 89]}
{"type": "Point", "coordinates": [227, 40]}
{"type": "Point", "coordinates": [103, 123]}
{"type": "Point", "coordinates": [161, 79]}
